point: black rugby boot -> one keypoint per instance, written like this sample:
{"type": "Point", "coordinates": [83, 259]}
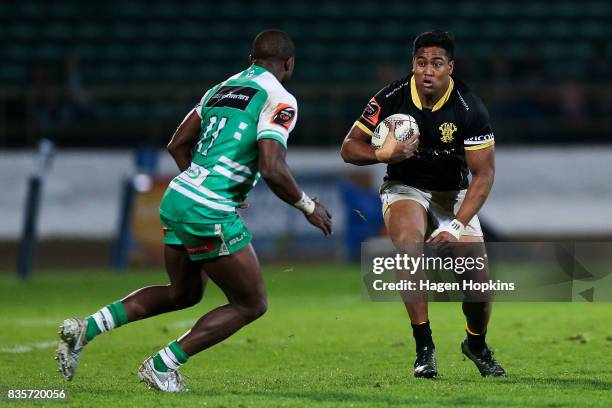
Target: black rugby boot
{"type": "Point", "coordinates": [484, 361]}
{"type": "Point", "coordinates": [425, 363]}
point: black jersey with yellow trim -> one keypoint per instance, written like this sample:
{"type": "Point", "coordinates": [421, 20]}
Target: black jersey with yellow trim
{"type": "Point", "coordinates": [459, 121]}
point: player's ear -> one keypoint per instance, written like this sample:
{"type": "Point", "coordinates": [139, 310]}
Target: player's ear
{"type": "Point", "coordinates": [413, 62]}
{"type": "Point", "coordinates": [289, 64]}
{"type": "Point", "coordinates": [451, 65]}
{"type": "Point", "coordinates": [250, 59]}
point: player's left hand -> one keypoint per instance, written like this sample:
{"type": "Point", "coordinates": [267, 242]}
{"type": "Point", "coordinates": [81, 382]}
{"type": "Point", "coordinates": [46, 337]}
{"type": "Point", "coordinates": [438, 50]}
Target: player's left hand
{"type": "Point", "coordinates": [440, 236]}
{"type": "Point", "coordinates": [243, 205]}
{"type": "Point", "coordinates": [450, 232]}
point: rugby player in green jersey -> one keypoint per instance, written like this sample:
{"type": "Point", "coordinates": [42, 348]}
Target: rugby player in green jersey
{"type": "Point", "coordinates": [236, 133]}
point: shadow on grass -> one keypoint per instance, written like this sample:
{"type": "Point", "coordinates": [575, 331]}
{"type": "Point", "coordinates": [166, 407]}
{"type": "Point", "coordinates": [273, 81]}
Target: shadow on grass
{"type": "Point", "coordinates": [383, 398]}
{"type": "Point", "coordinates": [441, 399]}
{"type": "Point", "coordinates": [298, 396]}
{"type": "Point", "coordinates": [582, 384]}
{"type": "Point", "coordinates": [320, 397]}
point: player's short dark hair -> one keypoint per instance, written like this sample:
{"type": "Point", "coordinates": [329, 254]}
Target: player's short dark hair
{"type": "Point", "coordinates": [436, 38]}
{"type": "Point", "coordinates": [272, 45]}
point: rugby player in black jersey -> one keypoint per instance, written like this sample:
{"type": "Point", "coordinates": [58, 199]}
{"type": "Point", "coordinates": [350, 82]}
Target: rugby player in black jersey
{"type": "Point", "coordinates": [427, 195]}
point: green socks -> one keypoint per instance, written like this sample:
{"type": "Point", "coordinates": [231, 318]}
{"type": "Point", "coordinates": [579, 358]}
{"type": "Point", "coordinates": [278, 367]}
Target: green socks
{"type": "Point", "coordinates": [170, 358]}
{"type": "Point", "coordinates": [106, 319]}
{"type": "Point", "coordinates": [114, 315]}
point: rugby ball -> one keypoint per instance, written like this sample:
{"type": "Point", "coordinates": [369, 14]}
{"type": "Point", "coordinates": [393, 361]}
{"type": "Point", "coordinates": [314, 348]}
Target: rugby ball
{"type": "Point", "coordinates": [405, 127]}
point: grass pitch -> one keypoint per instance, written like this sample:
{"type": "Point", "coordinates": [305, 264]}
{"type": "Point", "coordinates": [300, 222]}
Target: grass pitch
{"type": "Point", "coordinates": [319, 344]}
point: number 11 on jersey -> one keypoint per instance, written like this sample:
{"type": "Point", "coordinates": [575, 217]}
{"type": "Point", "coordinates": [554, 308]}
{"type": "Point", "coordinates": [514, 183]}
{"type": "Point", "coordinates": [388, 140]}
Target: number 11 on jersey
{"type": "Point", "coordinates": [211, 124]}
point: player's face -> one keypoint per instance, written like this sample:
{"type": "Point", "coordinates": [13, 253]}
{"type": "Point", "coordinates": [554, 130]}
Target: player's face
{"type": "Point", "coordinates": [432, 70]}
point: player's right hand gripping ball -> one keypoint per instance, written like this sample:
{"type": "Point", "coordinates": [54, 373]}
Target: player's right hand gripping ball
{"type": "Point", "coordinates": [405, 127]}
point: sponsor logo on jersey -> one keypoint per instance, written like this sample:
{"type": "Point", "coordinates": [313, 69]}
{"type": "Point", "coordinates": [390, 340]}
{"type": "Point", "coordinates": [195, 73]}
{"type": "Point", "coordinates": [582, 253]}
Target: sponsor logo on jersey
{"type": "Point", "coordinates": [431, 154]}
{"type": "Point", "coordinates": [194, 175]}
{"type": "Point", "coordinates": [371, 112]}
{"type": "Point", "coordinates": [237, 97]}
{"type": "Point", "coordinates": [397, 88]}
{"type": "Point", "coordinates": [447, 129]}
{"type": "Point", "coordinates": [283, 115]}
{"type": "Point", "coordinates": [204, 247]}
{"type": "Point", "coordinates": [465, 105]}
{"type": "Point", "coordinates": [476, 140]}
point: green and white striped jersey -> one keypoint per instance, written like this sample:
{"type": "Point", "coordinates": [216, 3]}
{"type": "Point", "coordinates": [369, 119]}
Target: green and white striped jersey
{"type": "Point", "coordinates": [249, 106]}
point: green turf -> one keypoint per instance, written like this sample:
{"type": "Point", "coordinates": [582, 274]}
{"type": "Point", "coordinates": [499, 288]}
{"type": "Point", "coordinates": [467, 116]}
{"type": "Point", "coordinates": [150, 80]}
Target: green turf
{"type": "Point", "coordinates": [319, 344]}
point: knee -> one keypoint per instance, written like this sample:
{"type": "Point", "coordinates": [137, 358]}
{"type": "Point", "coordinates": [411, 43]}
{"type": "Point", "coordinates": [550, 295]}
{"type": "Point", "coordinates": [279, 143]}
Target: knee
{"type": "Point", "coordinates": [406, 235]}
{"type": "Point", "coordinates": [254, 310]}
{"type": "Point", "coordinates": [408, 242]}
{"type": "Point", "coordinates": [185, 297]}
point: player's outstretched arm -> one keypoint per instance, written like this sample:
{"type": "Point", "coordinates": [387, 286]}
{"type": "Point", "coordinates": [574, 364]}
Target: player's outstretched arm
{"type": "Point", "coordinates": [357, 148]}
{"type": "Point", "coordinates": [184, 139]}
{"type": "Point", "coordinates": [273, 168]}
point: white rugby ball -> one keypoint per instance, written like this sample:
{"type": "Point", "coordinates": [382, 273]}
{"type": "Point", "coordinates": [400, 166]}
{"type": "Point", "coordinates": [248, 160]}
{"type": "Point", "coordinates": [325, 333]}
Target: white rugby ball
{"type": "Point", "coordinates": [405, 127]}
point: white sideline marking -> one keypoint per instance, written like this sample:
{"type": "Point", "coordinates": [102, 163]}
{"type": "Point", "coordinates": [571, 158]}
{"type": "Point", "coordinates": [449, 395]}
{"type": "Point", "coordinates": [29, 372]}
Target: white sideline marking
{"type": "Point", "coordinates": [26, 348]}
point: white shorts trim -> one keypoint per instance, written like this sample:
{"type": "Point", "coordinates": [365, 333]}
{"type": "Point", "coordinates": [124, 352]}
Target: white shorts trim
{"type": "Point", "coordinates": [441, 206]}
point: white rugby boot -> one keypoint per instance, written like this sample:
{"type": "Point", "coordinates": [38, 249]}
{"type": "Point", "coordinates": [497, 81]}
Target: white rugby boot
{"type": "Point", "coordinates": [72, 340]}
{"type": "Point", "coordinates": [170, 381]}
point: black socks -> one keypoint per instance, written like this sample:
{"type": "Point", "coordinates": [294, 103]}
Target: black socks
{"type": "Point", "coordinates": [476, 342]}
{"type": "Point", "coordinates": [422, 335]}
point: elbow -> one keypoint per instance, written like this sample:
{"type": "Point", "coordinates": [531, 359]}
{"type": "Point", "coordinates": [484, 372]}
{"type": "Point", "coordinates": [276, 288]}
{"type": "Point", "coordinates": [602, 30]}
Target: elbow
{"type": "Point", "coordinates": [266, 171]}
{"type": "Point", "coordinates": [176, 149]}
{"type": "Point", "coordinates": [345, 154]}
{"type": "Point", "coordinates": [171, 148]}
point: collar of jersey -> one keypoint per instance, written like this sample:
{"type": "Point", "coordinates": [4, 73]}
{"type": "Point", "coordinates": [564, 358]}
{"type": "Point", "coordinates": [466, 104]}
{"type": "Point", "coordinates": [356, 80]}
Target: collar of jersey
{"type": "Point", "coordinates": [258, 70]}
{"type": "Point", "coordinates": [441, 101]}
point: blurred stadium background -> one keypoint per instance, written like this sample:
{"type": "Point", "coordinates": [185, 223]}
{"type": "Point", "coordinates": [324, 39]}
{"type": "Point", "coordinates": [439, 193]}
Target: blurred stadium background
{"type": "Point", "coordinates": [107, 83]}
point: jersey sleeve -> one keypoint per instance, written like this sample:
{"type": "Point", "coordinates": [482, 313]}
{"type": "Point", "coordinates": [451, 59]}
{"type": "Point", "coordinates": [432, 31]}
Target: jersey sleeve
{"type": "Point", "coordinates": [277, 118]}
{"type": "Point", "coordinates": [479, 134]}
{"type": "Point", "coordinates": [378, 108]}
{"type": "Point", "coordinates": [198, 107]}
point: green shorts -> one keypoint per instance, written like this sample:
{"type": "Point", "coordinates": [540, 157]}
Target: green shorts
{"type": "Point", "coordinates": [207, 241]}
